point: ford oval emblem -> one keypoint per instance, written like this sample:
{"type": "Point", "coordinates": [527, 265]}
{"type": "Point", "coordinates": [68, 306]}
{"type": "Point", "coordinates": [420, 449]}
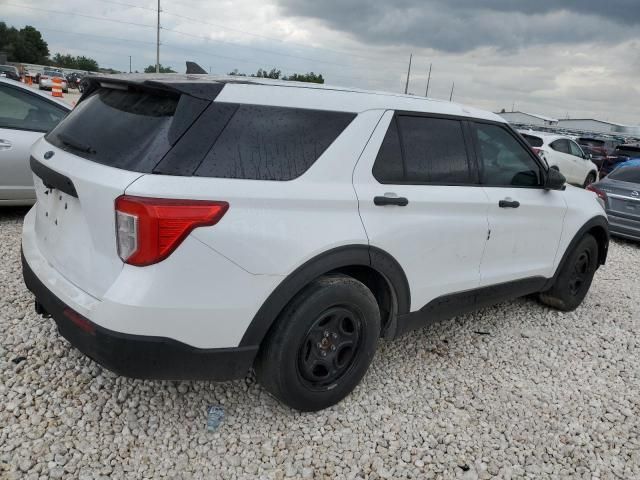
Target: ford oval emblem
{"type": "Point", "coordinates": [48, 155]}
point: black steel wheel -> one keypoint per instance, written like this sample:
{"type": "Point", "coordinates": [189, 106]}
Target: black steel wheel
{"type": "Point", "coordinates": [321, 344]}
{"type": "Point", "coordinates": [575, 276]}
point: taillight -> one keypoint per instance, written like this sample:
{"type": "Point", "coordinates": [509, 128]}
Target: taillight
{"type": "Point", "coordinates": [600, 193]}
{"type": "Point", "coordinates": [148, 230]}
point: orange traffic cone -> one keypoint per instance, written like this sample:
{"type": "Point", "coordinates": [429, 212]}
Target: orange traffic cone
{"type": "Point", "coordinates": [56, 89]}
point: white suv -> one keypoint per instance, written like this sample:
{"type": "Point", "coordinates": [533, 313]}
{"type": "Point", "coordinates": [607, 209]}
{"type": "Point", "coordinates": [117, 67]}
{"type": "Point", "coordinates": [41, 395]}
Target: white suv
{"type": "Point", "coordinates": [190, 227]}
{"type": "Point", "coordinates": [565, 155]}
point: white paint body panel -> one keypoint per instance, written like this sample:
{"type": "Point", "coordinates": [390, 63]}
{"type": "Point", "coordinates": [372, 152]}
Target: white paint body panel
{"type": "Point", "coordinates": [207, 292]}
{"type": "Point", "coordinates": [438, 238]}
{"type": "Point", "coordinates": [523, 240]}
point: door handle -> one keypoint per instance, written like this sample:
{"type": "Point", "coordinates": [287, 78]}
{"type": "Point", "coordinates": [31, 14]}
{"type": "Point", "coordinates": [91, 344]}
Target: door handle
{"type": "Point", "coordinates": [399, 201]}
{"type": "Point", "coordinates": [508, 203]}
{"type": "Point", "coordinates": [5, 144]}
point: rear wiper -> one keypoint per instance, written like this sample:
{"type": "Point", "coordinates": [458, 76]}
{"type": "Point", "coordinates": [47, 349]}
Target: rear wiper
{"type": "Point", "coordinates": [75, 144]}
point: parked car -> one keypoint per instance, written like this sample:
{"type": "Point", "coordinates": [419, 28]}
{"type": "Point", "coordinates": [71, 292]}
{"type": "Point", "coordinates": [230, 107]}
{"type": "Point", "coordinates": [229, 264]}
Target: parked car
{"type": "Point", "coordinates": [594, 147]}
{"type": "Point", "coordinates": [188, 227]}
{"type": "Point", "coordinates": [73, 80]}
{"type": "Point", "coordinates": [620, 192]}
{"type": "Point", "coordinates": [565, 155]}
{"type": "Point", "coordinates": [9, 71]}
{"type": "Point", "coordinates": [45, 81]}
{"type": "Point", "coordinates": [622, 153]}
{"type": "Point", "coordinates": [25, 115]}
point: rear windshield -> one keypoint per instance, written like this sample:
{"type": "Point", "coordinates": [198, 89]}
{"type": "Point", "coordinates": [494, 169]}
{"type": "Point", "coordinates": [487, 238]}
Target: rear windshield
{"type": "Point", "coordinates": [627, 152]}
{"type": "Point", "coordinates": [592, 142]}
{"type": "Point", "coordinates": [626, 174]}
{"type": "Point", "coordinates": [533, 141]}
{"type": "Point", "coordinates": [119, 128]}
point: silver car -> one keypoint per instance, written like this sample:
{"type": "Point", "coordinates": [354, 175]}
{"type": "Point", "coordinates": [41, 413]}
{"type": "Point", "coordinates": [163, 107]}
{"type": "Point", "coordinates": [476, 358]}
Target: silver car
{"type": "Point", "coordinates": [25, 115]}
{"type": "Point", "coordinates": [46, 80]}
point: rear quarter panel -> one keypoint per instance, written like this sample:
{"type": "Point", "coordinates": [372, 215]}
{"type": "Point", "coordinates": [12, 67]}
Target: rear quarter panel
{"type": "Point", "coordinates": [272, 227]}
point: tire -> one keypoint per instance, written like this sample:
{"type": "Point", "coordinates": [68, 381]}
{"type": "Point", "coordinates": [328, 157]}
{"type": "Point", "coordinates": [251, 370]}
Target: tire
{"type": "Point", "coordinates": [591, 178]}
{"type": "Point", "coordinates": [321, 344]}
{"type": "Point", "coordinates": [574, 280]}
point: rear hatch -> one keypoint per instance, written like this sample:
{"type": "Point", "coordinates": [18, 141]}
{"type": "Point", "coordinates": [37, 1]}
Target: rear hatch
{"type": "Point", "coordinates": [117, 133]}
{"type": "Point", "coordinates": [623, 191]}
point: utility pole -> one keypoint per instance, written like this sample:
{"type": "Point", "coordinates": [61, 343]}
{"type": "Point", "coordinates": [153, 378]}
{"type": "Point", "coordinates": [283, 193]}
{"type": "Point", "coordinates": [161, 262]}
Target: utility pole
{"type": "Point", "coordinates": [158, 41]}
{"type": "Point", "coordinates": [452, 87]}
{"type": "Point", "coordinates": [129, 63]}
{"type": "Point", "coordinates": [406, 85]}
{"type": "Point", "coordinates": [428, 80]}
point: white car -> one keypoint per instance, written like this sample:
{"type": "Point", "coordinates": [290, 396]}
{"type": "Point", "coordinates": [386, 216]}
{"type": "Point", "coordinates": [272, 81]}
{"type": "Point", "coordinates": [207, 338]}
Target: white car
{"type": "Point", "coordinates": [45, 81]}
{"type": "Point", "coordinates": [197, 227]}
{"type": "Point", "coordinates": [564, 154]}
{"type": "Point", "coordinates": [25, 116]}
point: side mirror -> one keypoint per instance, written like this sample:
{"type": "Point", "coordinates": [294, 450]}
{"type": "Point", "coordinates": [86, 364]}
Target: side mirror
{"type": "Point", "coordinates": [554, 180]}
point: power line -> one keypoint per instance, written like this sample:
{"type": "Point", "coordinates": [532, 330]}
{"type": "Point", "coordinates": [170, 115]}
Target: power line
{"type": "Point", "coordinates": [244, 32]}
{"type": "Point", "coordinates": [81, 15]}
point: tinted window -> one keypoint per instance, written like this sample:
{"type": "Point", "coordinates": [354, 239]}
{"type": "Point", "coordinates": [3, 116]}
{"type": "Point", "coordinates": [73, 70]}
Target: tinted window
{"type": "Point", "coordinates": [119, 128]}
{"type": "Point", "coordinates": [575, 150]}
{"type": "Point", "coordinates": [388, 167]}
{"type": "Point", "coordinates": [272, 143]}
{"type": "Point", "coordinates": [433, 148]}
{"type": "Point", "coordinates": [626, 174]}
{"type": "Point", "coordinates": [627, 152]}
{"type": "Point", "coordinates": [533, 141]}
{"type": "Point", "coordinates": [504, 160]}
{"type": "Point", "coordinates": [561, 146]}
{"type": "Point", "coordinates": [24, 111]}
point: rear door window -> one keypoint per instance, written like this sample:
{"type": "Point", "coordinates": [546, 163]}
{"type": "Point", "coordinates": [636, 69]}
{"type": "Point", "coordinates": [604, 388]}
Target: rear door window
{"type": "Point", "coordinates": [561, 146]}
{"type": "Point", "coordinates": [25, 111]}
{"type": "Point", "coordinates": [272, 143]}
{"type": "Point", "coordinates": [424, 150]}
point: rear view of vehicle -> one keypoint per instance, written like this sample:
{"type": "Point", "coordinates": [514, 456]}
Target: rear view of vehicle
{"type": "Point", "coordinates": [9, 71]}
{"type": "Point", "coordinates": [155, 242]}
{"type": "Point", "coordinates": [620, 192]}
{"type": "Point", "coordinates": [46, 81]}
{"type": "Point", "coordinates": [622, 153]}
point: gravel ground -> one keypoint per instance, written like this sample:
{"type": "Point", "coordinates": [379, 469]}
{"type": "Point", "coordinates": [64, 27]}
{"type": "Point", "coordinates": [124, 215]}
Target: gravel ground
{"type": "Point", "coordinates": [513, 391]}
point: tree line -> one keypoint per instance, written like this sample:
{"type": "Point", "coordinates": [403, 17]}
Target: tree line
{"type": "Point", "coordinates": [277, 75]}
{"type": "Point", "coordinates": [27, 46]}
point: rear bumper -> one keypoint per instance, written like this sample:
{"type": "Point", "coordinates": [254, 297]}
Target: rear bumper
{"type": "Point", "coordinates": [139, 356]}
{"type": "Point", "coordinates": [623, 227]}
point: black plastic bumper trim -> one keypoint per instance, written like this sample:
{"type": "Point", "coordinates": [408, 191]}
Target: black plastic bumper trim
{"type": "Point", "coordinates": [140, 356]}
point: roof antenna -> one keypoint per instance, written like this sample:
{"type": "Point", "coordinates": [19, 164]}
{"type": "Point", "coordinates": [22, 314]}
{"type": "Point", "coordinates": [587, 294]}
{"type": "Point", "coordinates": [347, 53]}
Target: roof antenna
{"type": "Point", "coordinates": [406, 85]}
{"type": "Point", "coordinates": [452, 87]}
{"type": "Point", "coordinates": [193, 67]}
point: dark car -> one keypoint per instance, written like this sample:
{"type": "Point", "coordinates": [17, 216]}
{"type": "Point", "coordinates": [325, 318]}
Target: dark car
{"type": "Point", "coordinates": [622, 153]}
{"type": "Point", "coordinates": [595, 147]}
{"type": "Point", "coordinates": [620, 191]}
{"type": "Point", "coordinates": [9, 71]}
{"type": "Point", "coordinates": [74, 79]}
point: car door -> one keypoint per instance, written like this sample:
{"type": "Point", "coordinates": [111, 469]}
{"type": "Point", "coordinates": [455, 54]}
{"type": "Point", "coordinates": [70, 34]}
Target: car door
{"type": "Point", "coordinates": [525, 220]}
{"type": "Point", "coordinates": [580, 163]}
{"type": "Point", "coordinates": [420, 201]}
{"type": "Point", "coordinates": [24, 118]}
{"type": "Point", "coordinates": [564, 159]}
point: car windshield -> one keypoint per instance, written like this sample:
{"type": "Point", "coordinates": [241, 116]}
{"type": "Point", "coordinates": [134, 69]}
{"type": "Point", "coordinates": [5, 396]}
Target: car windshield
{"type": "Point", "coordinates": [7, 68]}
{"type": "Point", "coordinates": [626, 174]}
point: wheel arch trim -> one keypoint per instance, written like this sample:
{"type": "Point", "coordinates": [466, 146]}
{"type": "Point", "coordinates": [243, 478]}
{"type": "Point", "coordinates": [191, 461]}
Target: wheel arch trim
{"type": "Point", "coordinates": [599, 225]}
{"type": "Point", "coordinates": [340, 257]}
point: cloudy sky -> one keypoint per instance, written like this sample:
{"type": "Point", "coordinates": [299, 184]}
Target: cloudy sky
{"type": "Point", "coordinates": [575, 58]}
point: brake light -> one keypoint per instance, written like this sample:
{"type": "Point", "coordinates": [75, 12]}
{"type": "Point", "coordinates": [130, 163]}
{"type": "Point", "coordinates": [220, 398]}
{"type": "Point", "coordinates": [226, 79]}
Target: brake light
{"type": "Point", "coordinates": [148, 230]}
{"type": "Point", "coordinates": [600, 193]}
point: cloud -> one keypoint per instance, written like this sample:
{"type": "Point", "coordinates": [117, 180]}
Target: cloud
{"type": "Point", "coordinates": [463, 25]}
